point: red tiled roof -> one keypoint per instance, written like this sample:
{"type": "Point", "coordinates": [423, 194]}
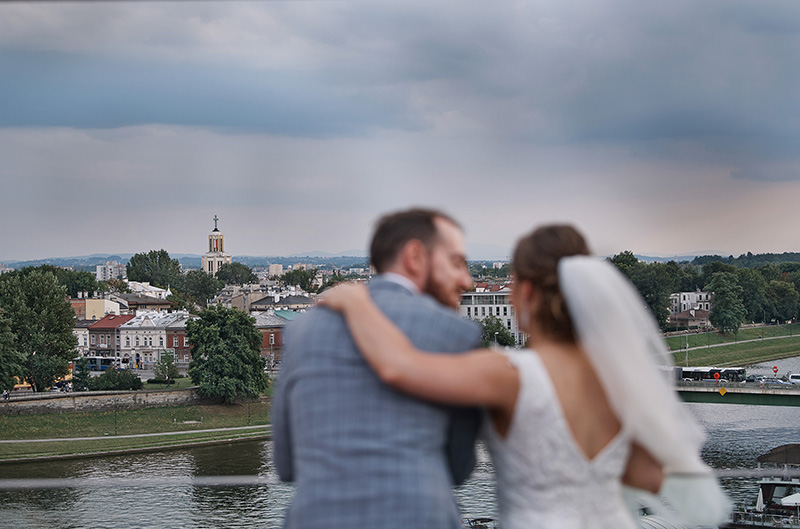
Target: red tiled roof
{"type": "Point", "coordinates": [112, 321]}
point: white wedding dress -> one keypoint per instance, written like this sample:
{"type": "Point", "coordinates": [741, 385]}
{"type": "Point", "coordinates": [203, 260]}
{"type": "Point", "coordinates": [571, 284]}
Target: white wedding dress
{"type": "Point", "coordinates": [544, 479]}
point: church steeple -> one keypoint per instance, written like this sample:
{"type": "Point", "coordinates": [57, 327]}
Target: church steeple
{"type": "Point", "coordinates": [216, 256]}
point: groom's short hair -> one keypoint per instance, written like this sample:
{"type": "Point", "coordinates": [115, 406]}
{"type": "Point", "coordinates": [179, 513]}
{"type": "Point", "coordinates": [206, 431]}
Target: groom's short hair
{"type": "Point", "coordinates": [394, 230]}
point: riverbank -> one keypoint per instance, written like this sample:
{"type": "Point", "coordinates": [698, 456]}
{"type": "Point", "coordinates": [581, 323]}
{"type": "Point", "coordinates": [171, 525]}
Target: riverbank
{"type": "Point", "coordinates": [90, 434]}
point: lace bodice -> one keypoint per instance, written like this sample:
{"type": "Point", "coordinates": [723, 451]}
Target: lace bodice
{"type": "Point", "coordinates": [544, 479]}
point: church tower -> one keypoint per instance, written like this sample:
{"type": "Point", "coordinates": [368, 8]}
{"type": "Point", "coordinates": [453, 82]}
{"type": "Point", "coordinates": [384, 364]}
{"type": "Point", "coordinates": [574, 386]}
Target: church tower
{"type": "Point", "coordinates": [215, 257]}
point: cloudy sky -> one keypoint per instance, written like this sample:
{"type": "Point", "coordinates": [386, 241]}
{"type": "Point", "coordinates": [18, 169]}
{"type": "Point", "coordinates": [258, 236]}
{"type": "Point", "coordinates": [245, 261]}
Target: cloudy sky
{"type": "Point", "coordinates": [665, 128]}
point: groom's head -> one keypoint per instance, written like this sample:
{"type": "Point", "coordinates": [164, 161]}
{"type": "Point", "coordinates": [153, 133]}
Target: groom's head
{"type": "Point", "coordinates": [427, 247]}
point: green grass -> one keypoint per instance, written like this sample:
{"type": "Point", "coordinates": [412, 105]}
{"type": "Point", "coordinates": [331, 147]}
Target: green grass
{"type": "Point", "coordinates": [152, 420]}
{"type": "Point", "coordinates": [741, 354]}
{"type": "Point", "coordinates": [110, 444]}
{"type": "Point", "coordinates": [703, 339]}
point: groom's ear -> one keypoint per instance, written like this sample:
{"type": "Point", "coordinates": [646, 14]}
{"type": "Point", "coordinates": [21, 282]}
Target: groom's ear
{"type": "Point", "coordinates": [415, 258]}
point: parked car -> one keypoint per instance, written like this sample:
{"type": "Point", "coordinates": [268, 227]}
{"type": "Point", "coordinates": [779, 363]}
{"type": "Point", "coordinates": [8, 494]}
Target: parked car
{"type": "Point", "coordinates": [794, 378]}
{"type": "Point", "coordinates": [775, 381]}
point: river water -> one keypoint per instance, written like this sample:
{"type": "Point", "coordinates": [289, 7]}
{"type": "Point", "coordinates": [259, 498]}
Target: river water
{"type": "Point", "coordinates": [736, 436]}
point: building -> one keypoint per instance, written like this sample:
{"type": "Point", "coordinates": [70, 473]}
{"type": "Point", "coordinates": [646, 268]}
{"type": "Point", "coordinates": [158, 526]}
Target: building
{"type": "Point", "coordinates": [270, 325]}
{"type": "Point", "coordinates": [275, 302]}
{"type": "Point", "coordinates": [144, 288]}
{"type": "Point", "coordinates": [683, 301]}
{"type": "Point", "coordinates": [81, 332]}
{"type": "Point", "coordinates": [491, 300]}
{"type": "Point", "coordinates": [146, 336]}
{"type": "Point", "coordinates": [691, 319]}
{"type": "Point", "coordinates": [215, 257]}
{"type": "Point", "coordinates": [110, 270]}
{"type": "Point", "coordinates": [137, 302]}
{"type": "Point", "coordinates": [104, 338]}
{"type": "Point", "coordinates": [275, 270]}
{"type": "Point", "coordinates": [5, 269]}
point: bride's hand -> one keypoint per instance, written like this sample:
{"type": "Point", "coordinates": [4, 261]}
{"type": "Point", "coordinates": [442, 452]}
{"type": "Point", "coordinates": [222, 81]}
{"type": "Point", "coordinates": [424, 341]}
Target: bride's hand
{"type": "Point", "coordinates": [344, 295]}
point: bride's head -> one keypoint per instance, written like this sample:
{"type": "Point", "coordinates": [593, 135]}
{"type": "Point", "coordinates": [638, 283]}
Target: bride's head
{"type": "Point", "coordinates": [537, 298]}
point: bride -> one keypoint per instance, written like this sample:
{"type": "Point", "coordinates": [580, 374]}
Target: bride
{"type": "Point", "coordinates": [585, 410]}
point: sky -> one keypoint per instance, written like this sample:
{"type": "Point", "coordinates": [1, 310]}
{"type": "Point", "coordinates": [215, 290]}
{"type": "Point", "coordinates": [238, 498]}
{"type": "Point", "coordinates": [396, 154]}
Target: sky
{"type": "Point", "coordinates": [665, 128]}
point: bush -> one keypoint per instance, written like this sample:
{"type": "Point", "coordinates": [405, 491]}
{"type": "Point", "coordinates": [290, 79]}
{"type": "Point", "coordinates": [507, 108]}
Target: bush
{"type": "Point", "coordinates": [159, 381]}
{"type": "Point", "coordinates": [116, 379]}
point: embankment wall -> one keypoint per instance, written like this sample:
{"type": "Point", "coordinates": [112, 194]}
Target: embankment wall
{"type": "Point", "coordinates": [100, 401]}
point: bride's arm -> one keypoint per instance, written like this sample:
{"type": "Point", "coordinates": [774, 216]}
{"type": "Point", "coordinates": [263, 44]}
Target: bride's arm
{"type": "Point", "coordinates": [643, 471]}
{"type": "Point", "coordinates": [476, 378]}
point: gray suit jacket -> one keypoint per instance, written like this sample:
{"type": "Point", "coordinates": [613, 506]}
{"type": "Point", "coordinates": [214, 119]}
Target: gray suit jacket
{"type": "Point", "coordinates": [362, 454]}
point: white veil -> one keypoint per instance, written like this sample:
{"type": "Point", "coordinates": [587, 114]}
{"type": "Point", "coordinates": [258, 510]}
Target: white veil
{"type": "Point", "coordinates": [616, 329]}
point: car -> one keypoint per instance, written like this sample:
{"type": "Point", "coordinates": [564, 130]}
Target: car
{"type": "Point", "coordinates": [775, 381]}
{"type": "Point", "coordinates": [794, 378]}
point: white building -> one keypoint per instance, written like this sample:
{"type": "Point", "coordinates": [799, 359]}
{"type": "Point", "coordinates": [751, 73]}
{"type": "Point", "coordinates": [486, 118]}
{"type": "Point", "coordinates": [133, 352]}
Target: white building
{"type": "Point", "coordinates": [215, 257]}
{"type": "Point", "coordinates": [111, 270]}
{"type": "Point", "coordinates": [146, 289]}
{"type": "Point", "coordinates": [478, 305]}
{"type": "Point", "coordinates": [683, 301]}
{"type": "Point", "coordinates": [144, 338]}
{"type": "Point", "coordinates": [275, 270]}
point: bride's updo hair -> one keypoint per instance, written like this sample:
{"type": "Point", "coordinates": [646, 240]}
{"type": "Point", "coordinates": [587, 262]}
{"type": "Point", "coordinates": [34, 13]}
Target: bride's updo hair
{"type": "Point", "coordinates": [536, 260]}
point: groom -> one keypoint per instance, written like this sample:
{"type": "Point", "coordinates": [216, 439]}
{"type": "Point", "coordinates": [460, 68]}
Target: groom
{"type": "Point", "coordinates": [364, 456]}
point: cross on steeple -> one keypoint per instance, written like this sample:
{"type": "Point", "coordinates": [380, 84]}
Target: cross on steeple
{"type": "Point", "coordinates": [215, 219]}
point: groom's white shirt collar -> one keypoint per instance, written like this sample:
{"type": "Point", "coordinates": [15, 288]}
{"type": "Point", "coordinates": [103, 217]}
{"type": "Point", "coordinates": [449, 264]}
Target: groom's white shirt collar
{"type": "Point", "coordinates": [400, 280]}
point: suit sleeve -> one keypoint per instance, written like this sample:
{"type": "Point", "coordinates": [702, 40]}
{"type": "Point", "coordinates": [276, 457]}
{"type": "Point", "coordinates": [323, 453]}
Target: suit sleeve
{"type": "Point", "coordinates": [465, 423]}
{"type": "Point", "coordinates": [281, 432]}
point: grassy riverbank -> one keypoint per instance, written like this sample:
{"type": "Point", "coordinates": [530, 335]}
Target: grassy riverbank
{"type": "Point", "coordinates": [713, 338]}
{"type": "Point", "coordinates": [109, 426]}
{"type": "Point", "coordinates": [742, 354]}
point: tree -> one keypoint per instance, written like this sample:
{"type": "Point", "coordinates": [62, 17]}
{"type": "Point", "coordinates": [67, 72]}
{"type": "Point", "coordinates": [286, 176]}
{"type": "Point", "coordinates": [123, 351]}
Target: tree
{"type": "Point", "coordinates": [155, 267]}
{"type": "Point", "coordinates": [226, 354]}
{"type": "Point", "coordinates": [12, 363]}
{"type": "Point", "coordinates": [626, 262]}
{"type": "Point", "coordinates": [41, 319]}
{"type": "Point", "coordinates": [199, 287]}
{"type": "Point", "coordinates": [783, 300]}
{"type": "Point", "coordinates": [117, 286]}
{"type": "Point", "coordinates": [81, 375]}
{"type": "Point", "coordinates": [74, 281]}
{"type": "Point", "coordinates": [709, 269]}
{"type": "Point", "coordinates": [165, 368]}
{"type": "Point", "coordinates": [728, 310]}
{"type": "Point", "coordinates": [302, 278]}
{"type": "Point", "coordinates": [116, 379]}
{"type": "Point", "coordinates": [236, 274]}
{"type": "Point", "coordinates": [494, 332]}
{"type": "Point", "coordinates": [754, 293]}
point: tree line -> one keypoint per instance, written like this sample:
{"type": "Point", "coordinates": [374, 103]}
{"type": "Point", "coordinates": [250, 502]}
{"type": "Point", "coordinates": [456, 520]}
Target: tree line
{"type": "Point", "coordinates": [766, 293]}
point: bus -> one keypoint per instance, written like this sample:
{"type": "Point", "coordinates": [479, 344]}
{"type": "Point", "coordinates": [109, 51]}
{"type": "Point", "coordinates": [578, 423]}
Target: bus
{"type": "Point", "coordinates": [731, 374]}
{"type": "Point", "coordinates": [99, 363]}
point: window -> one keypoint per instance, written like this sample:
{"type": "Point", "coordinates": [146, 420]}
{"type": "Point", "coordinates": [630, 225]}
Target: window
{"type": "Point", "coordinates": [161, 341]}
{"type": "Point", "coordinates": [505, 311]}
{"type": "Point", "coordinates": [271, 339]}
{"type": "Point", "coordinates": [185, 342]}
{"type": "Point", "coordinates": [127, 341]}
{"type": "Point", "coordinates": [174, 341]}
{"type": "Point", "coordinates": [137, 341]}
{"type": "Point", "coordinates": [118, 340]}
{"type": "Point", "coordinates": [483, 311]}
{"type": "Point", "coordinates": [93, 339]}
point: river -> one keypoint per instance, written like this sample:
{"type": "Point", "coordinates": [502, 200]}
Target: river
{"type": "Point", "coordinates": [736, 436]}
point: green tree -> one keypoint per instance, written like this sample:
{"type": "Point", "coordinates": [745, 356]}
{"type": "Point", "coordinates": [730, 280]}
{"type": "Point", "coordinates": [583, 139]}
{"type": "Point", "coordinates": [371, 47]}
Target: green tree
{"type": "Point", "coordinates": [728, 310]}
{"type": "Point", "coordinates": [41, 319]}
{"type": "Point", "coordinates": [332, 281]}
{"type": "Point", "coordinates": [226, 354]}
{"type": "Point", "coordinates": [236, 274]}
{"type": "Point", "coordinates": [12, 363]}
{"type": "Point", "coordinates": [117, 286]}
{"type": "Point", "coordinates": [155, 267]}
{"type": "Point", "coordinates": [783, 300]}
{"type": "Point", "coordinates": [116, 379]}
{"type": "Point", "coordinates": [302, 278]}
{"type": "Point", "coordinates": [73, 281]}
{"type": "Point", "coordinates": [494, 332]}
{"type": "Point", "coordinates": [754, 293]}
{"type": "Point", "coordinates": [199, 287]}
{"type": "Point", "coordinates": [626, 262]}
{"type": "Point", "coordinates": [165, 368]}
{"type": "Point", "coordinates": [81, 375]}
{"type": "Point", "coordinates": [709, 269]}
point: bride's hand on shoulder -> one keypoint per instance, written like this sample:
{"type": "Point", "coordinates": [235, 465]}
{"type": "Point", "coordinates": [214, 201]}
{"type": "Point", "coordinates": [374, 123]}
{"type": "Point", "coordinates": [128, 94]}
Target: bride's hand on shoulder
{"type": "Point", "coordinates": [344, 296]}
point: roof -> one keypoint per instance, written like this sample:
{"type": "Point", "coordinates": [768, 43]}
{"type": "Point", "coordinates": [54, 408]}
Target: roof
{"type": "Point", "coordinates": [112, 321]}
{"type": "Point", "coordinates": [288, 300]}
{"type": "Point", "coordinates": [157, 319]}
{"type": "Point", "coordinates": [288, 315]}
{"type": "Point", "coordinates": [264, 319]}
{"type": "Point", "coordinates": [687, 315]}
{"type": "Point", "coordinates": [784, 455]}
{"type": "Point", "coordinates": [143, 300]}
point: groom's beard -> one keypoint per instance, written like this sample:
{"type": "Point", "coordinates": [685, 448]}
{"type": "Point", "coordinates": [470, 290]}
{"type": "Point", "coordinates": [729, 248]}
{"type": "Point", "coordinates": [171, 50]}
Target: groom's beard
{"type": "Point", "coordinates": [439, 291]}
